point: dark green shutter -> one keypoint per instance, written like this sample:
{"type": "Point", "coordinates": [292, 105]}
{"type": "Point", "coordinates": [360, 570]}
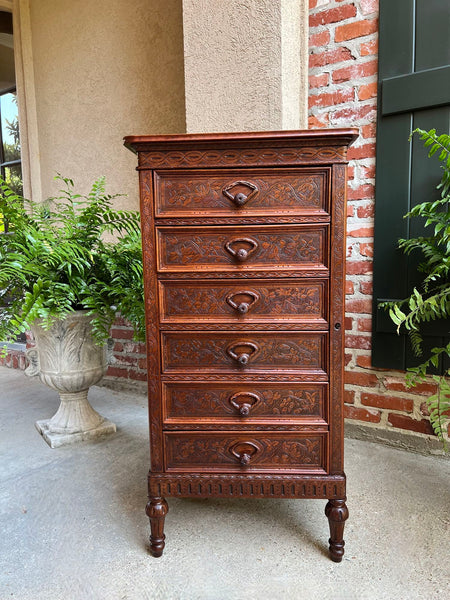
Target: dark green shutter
{"type": "Point", "coordinates": [413, 91]}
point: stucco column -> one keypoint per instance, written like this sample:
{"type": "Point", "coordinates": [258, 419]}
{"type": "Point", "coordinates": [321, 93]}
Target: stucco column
{"type": "Point", "coordinates": [245, 64]}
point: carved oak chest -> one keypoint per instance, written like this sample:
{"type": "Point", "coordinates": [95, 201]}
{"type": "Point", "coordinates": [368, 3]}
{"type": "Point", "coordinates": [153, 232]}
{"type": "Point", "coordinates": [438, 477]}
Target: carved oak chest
{"type": "Point", "coordinates": [243, 239]}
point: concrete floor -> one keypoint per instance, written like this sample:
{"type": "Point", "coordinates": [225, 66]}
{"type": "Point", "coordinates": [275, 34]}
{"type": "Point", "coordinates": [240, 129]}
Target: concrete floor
{"type": "Point", "coordinates": [73, 526]}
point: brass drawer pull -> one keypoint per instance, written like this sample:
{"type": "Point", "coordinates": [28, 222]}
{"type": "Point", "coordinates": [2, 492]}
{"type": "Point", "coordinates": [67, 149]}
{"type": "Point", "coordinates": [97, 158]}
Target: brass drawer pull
{"type": "Point", "coordinates": [237, 353]}
{"type": "Point", "coordinates": [244, 452]}
{"type": "Point", "coordinates": [243, 402]}
{"type": "Point", "coordinates": [240, 252]}
{"type": "Point", "coordinates": [239, 198]}
{"type": "Point", "coordinates": [242, 307]}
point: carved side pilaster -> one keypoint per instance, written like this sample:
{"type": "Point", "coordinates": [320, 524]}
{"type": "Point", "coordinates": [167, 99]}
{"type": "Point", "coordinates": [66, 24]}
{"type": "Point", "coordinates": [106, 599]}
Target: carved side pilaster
{"type": "Point", "coordinates": [337, 294]}
{"type": "Point", "coordinates": [152, 319]}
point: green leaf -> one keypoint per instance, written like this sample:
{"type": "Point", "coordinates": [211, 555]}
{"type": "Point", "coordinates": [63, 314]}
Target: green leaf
{"type": "Point", "coordinates": [56, 260]}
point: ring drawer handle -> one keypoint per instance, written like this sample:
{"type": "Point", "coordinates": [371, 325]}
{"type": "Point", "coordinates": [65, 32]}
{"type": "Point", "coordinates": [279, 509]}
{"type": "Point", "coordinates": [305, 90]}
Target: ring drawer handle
{"type": "Point", "coordinates": [241, 253]}
{"type": "Point", "coordinates": [242, 357]}
{"type": "Point", "coordinates": [242, 307]}
{"type": "Point", "coordinates": [243, 402]}
{"type": "Point", "coordinates": [244, 452]}
{"type": "Point", "coordinates": [239, 199]}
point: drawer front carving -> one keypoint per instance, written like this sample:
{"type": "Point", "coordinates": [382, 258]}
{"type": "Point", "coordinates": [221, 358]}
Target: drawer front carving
{"type": "Point", "coordinates": [243, 352]}
{"type": "Point", "coordinates": [243, 452]}
{"type": "Point", "coordinates": [243, 402]}
{"type": "Point", "coordinates": [243, 248]}
{"type": "Point", "coordinates": [241, 192]}
{"type": "Point", "coordinates": [248, 301]}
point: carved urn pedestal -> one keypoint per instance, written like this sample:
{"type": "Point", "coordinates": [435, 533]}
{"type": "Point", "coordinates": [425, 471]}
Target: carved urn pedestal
{"type": "Point", "coordinates": [67, 359]}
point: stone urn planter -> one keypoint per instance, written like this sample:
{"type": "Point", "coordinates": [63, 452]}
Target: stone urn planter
{"type": "Point", "coordinates": [67, 359]}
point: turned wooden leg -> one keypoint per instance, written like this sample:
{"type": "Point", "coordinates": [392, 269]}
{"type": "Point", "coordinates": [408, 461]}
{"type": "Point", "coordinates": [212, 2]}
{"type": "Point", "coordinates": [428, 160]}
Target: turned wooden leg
{"type": "Point", "coordinates": [337, 513]}
{"type": "Point", "coordinates": [157, 510]}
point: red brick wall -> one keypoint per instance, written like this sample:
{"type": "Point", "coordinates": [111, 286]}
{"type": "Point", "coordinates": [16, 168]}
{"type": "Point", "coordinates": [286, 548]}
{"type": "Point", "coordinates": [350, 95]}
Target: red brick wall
{"type": "Point", "coordinates": [15, 359]}
{"type": "Point", "coordinates": [343, 90]}
{"type": "Point", "coordinates": [129, 356]}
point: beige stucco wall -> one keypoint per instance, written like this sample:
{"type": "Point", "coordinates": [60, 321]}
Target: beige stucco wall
{"type": "Point", "coordinates": [104, 69]}
{"type": "Point", "coordinates": [245, 64]}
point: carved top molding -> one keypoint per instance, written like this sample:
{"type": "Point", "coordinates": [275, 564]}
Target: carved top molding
{"type": "Point", "coordinates": [237, 149]}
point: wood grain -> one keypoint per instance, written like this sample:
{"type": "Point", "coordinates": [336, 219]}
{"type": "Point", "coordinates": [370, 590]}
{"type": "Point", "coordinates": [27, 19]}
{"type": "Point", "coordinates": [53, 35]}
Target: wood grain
{"type": "Point", "coordinates": [301, 301]}
{"type": "Point", "coordinates": [287, 402]}
{"type": "Point", "coordinates": [223, 451]}
{"type": "Point", "coordinates": [193, 249]}
{"type": "Point", "coordinates": [199, 193]}
{"type": "Point", "coordinates": [213, 351]}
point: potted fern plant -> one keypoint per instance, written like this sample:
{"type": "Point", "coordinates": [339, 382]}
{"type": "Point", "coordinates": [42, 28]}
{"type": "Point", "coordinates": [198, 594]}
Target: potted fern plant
{"type": "Point", "coordinates": [432, 300]}
{"type": "Point", "coordinates": [67, 266]}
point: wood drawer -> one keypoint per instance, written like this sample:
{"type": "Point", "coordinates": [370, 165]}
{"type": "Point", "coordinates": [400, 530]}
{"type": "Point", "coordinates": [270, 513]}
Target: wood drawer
{"type": "Point", "coordinates": [242, 192]}
{"type": "Point", "coordinates": [244, 352]}
{"type": "Point", "coordinates": [301, 301]}
{"type": "Point", "coordinates": [240, 249]}
{"type": "Point", "coordinates": [250, 451]}
{"type": "Point", "coordinates": [243, 403]}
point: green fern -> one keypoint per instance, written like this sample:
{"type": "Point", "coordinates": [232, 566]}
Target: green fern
{"type": "Point", "coordinates": [432, 301]}
{"type": "Point", "coordinates": [56, 259]}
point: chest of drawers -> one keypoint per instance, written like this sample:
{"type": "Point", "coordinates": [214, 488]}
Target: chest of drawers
{"type": "Point", "coordinates": [243, 239]}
